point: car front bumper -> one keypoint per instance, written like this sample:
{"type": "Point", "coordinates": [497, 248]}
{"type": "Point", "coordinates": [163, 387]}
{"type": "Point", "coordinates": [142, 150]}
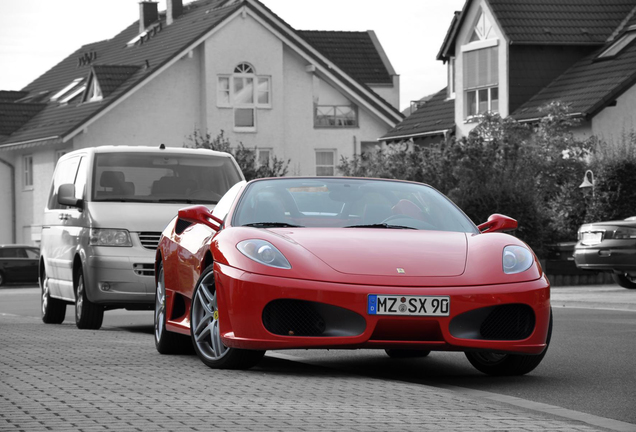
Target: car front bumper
{"type": "Point", "coordinates": [246, 315]}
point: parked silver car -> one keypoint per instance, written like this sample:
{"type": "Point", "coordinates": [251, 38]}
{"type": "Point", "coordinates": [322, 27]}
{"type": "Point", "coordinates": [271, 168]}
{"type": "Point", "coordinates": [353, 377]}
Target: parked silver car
{"type": "Point", "coordinates": [106, 211]}
{"type": "Point", "coordinates": [609, 246]}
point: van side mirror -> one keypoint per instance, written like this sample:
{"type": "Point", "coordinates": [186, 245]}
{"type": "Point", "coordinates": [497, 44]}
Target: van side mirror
{"type": "Point", "coordinates": [498, 223]}
{"type": "Point", "coordinates": [66, 196]}
{"type": "Point", "coordinates": [200, 214]}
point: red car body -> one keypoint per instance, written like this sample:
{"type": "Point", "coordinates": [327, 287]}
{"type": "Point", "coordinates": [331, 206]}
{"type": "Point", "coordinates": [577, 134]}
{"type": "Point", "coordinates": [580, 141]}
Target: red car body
{"type": "Point", "coordinates": [333, 273]}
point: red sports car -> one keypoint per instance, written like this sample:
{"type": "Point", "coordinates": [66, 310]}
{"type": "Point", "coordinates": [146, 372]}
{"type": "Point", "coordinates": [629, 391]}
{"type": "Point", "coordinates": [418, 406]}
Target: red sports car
{"type": "Point", "coordinates": [348, 263]}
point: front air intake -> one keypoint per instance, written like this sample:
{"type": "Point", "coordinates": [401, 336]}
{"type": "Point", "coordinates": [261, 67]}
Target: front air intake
{"type": "Point", "coordinates": [508, 322]}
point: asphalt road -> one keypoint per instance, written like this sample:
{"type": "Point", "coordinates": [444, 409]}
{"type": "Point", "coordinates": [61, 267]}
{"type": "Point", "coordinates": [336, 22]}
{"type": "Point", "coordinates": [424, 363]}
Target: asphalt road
{"type": "Point", "coordinates": [589, 367]}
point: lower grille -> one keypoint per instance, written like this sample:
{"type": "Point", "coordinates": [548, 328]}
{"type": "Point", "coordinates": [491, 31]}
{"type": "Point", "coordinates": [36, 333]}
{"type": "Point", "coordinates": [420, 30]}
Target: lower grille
{"type": "Point", "coordinates": [508, 322]}
{"type": "Point", "coordinates": [293, 318]}
{"type": "Point", "coordinates": [289, 317]}
{"type": "Point", "coordinates": [149, 240]}
{"type": "Point", "coordinates": [144, 269]}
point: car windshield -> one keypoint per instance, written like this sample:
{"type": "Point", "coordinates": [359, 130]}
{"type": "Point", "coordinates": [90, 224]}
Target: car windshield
{"type": "Point", "coordinates": [169, 177]}
{"type": "Point", "coordinates": [348, 203]}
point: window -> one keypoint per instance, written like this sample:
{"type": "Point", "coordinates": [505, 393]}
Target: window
{"type": "Point", "coordinates": [451, 78]}
{"type": "Point", "coordinates": [483, 29]}
{"type": "Point", "coordinates": [481, 79]}
{"type": "Point", "coordinates": [336, 116]}
{"type": "Point", "coordinates": [94, 92]}
{"type": "Point", "coordinates": [618, 45]}
{"type": "Point", "coordinates": [263, 156]}
{"type": "Point", "coordinates": [65, 173]}
{"type": "Point", "coordinates": [245, 92]}
{"type": "Point", "coordinates": [325, 162]}
{"type": "Point", "coordinates": [27, 167]}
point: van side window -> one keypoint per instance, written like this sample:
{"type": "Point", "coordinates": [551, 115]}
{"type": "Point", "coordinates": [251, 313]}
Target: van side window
{"type": "Point", "coordinates": [80, 181]}
{"type": "Point", "coordinates": [64, 173]}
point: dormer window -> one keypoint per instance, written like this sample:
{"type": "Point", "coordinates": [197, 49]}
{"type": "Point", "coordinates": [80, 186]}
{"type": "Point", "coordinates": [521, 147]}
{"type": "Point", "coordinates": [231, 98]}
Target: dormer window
{"type": "Point", "coordinates": [94, 92]}
{"type": "Point", "coordinates": [618, 45]}
{"type": "Point", "coordinates": [244, 92]}
{"type": "Point", "coordinates": [480, 57]}
{"type": "Point", "coordinates": [70, 90]}
{"type": "Point", "coordinates": [483, 29]}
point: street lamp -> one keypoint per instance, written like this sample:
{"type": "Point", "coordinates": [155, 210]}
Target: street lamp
{"type": "Point", "coordinates": [588, 181]}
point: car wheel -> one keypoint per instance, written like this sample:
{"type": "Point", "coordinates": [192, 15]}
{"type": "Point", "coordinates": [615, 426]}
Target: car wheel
{"type": "Point", "coordinates": [88, 315]}
{"type": "Point", "coordinates": [624, 280]}
{"type": "Point", "coordinates": [166, 342]}
{"type": "Point", "coordinates": [205, 332]}
{"type": "Point", "coordinates": [497, 364]}
{"type": "Point", "coordinates": [53, 310]}
{"type": "Point", "coordinates": [406, 353]}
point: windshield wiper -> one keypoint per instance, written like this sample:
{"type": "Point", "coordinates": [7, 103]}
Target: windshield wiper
{"type": "Point", "coordinates": [272, 225]}
{"type": "Point", "coordinates": [381, 225]}
{"type": "Point", "coordinates": [175, 200]}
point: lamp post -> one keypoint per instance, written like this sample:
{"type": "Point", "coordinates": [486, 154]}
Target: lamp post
{"type": "Point", "coordinates": [588, 181]}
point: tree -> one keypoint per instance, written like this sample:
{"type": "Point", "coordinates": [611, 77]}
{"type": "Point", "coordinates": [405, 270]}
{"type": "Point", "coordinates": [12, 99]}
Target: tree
{"type": "Point", "coordinates": [245, 157]}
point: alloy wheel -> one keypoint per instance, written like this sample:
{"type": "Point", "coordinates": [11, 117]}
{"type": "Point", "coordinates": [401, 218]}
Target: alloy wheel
{"type": "Point", "coordinates": [205, 320]}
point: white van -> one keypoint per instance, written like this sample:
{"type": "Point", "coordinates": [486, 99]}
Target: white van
{"type": "Point", "coordinates": [106, 211]}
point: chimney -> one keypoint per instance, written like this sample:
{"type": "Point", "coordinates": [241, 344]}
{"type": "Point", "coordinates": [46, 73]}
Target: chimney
{"type": "Point", "coordinates": [174, 9]}
{"type": "Point", "coordinates": [148, 14]}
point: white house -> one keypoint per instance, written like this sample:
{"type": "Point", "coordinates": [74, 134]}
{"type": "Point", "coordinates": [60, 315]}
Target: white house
{"type": "Point", "coordinates": [210, 65]}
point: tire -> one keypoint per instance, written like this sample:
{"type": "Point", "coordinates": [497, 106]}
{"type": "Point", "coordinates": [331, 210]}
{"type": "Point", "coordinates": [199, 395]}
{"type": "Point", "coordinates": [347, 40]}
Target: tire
{"type": "Point", "coordinates": [166, 342]}
{"type": "Point", "coordinates": [88, 315]}
{"type": "Point", "coordinates": [204, 330]}
{"type": "Point", "coordinates": [406, 353]}
{"type": "Point", "coordinates": [53, 310]}
{"type": "Point", "coordinates": [2, 279]}
{"type": "Point", "coordinates": [497, 364]}
{"type": "Point", "coordinates": [624, 280]}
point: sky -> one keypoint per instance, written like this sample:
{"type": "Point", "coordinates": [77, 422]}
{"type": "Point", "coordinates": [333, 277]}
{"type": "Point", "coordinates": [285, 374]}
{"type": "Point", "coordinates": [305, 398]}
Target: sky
{"type": "Point", "coordinates": [35, 35]}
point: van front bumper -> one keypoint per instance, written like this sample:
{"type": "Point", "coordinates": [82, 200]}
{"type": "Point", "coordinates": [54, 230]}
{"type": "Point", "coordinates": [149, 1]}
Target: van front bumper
{"type": "Point", "coordinates": [118, 276]}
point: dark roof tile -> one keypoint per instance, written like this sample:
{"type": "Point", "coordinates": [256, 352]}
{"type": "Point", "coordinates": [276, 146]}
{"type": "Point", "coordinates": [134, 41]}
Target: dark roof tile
{"type": "Point", "coordinates": [435, 116]}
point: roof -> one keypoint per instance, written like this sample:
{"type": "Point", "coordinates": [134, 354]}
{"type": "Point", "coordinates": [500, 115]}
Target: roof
{"type": "Point", "coordinates": [433, 118]}
{"type": "Point", "coordinates": [588, 86]}
{"type": "Point", "coordinates": [545, 22]}
{"type": "Point", "coordinates": [14, 115]}
{"type": "Point", "coordinates": [354, 52]}
{"type": "Point", "coordinates": [120, 68]}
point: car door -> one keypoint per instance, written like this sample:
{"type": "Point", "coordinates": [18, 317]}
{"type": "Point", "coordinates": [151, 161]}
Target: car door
{"type": "Point", "coordinates": [60, 233]}
{"type": "Point", "coordinates": [24, 265]}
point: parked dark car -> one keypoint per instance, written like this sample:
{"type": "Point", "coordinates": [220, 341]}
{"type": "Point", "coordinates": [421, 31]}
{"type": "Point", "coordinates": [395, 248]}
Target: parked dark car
{"type": "Point", "coordinates": [609, 246]}
{"type": "Point", "coordinates": [18, 263]}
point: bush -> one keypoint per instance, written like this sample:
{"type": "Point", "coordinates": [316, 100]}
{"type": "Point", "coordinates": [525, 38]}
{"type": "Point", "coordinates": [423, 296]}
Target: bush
{"type": "Point", "coordinates": [245, 157]}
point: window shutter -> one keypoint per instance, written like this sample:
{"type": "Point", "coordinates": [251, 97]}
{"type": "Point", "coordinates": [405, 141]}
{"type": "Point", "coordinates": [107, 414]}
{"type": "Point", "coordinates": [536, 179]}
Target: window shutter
{"type": "Point", "coordinates": [481, 68]}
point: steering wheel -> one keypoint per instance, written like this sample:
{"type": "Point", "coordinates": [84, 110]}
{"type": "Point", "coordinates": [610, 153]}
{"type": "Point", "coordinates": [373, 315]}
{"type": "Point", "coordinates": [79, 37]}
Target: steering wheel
{"type": "Point", "coordinates": [397, 216]}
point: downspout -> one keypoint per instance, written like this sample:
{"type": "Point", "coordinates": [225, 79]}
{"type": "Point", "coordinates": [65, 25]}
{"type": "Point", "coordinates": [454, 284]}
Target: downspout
{"type": "Point", "coordinates": [13, 209]}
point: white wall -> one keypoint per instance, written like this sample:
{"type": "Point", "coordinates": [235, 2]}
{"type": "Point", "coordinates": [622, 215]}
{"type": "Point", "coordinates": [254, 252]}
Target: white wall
{"type": "Point", "coordinates": [614, 122]}
{"type": "Point", "coordinates": [6, 209]}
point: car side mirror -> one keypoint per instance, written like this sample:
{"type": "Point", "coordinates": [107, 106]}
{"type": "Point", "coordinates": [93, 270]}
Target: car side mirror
{"type": "Point", "coordinates": [66, 196]}
{"type": "Point", "coordinates": [200, 214]}
{"type": "Point", "coordinates": [498, 223]}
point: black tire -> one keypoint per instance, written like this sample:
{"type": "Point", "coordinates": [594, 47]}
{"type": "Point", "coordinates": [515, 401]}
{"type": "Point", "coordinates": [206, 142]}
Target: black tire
{"type": "Point", "coordinates": [53, 310]}
{"type": "Point", "coordinates": [624, 280]}
{"type": "Point", "coordinates": [88, 315]}
{"type": "Point", "coordinates": [2, 279]}
{"type": "Point", "coordinates": [204, 330]}
{"type": "Point", "coordinates": [497, 364]}
{"type": "Point", "coordinates": [166, 342]}
{"type": "Point", "coordinates": [406, 353]}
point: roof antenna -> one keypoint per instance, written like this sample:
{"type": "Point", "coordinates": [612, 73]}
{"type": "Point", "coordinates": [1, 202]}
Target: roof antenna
{"type": "Point", "coordinates": [162, 146]}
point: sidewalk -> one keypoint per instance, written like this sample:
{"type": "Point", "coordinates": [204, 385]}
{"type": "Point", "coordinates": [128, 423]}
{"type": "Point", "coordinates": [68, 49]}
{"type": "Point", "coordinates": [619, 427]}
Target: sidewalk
{"type": "Point", "coordinates": [60, 378]}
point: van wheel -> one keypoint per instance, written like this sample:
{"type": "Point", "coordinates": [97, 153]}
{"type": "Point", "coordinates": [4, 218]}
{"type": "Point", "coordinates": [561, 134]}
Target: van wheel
{"type": "Point", "coordinates": [88, 315]}
{"type": "Point", "coordinates": [53, 310]}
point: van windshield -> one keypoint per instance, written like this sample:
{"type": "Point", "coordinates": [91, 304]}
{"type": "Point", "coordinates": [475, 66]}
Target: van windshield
{"type": "Point", "coordinates": [168, 177]}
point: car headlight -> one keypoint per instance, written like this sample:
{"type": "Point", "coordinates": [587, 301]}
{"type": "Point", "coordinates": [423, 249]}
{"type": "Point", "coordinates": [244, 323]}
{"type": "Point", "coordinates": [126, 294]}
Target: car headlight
{"type": "Point", "coordinates": [516, 259]}
{"type": "Point", "coordinates": [110, 237]}
{"type": "Point", "coordinates": [625, 233]}
{"type": "Point", "coordinates": [263, 252]}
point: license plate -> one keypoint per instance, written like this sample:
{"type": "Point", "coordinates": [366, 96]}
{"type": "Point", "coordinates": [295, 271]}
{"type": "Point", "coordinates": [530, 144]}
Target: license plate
{"type": "Point", "coordinates": [591, 238]}
{"type": "Point", "coordinates": [379, 304]}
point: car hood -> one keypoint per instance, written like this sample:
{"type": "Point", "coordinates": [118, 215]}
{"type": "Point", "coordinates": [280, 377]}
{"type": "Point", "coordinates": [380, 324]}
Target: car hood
{"type": "Point", "coordinates": [134, 217]}
{"type": "Point", "coordinates": [385, 252]}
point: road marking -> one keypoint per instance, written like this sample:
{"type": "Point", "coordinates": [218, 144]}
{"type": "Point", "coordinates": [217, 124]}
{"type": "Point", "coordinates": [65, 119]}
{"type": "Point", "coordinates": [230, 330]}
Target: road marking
{"type": "Point", "coordinates": [607, 423]}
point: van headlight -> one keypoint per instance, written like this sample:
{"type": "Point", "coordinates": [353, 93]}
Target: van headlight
{"type": "Point", "coordinates": [110, 237]}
